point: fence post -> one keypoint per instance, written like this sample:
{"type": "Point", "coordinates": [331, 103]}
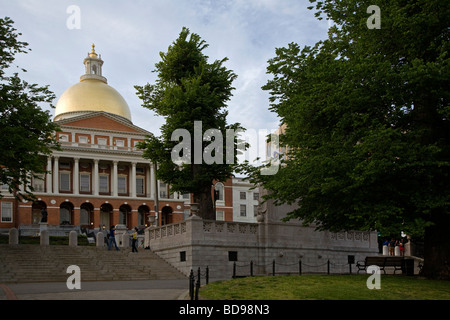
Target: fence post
{"type": "Point", "coordinates": [328, 266]}
{"type": "Point", "coordinates": [300, 267]}
{"type": "Point", "coordinates": [191, 284]}
{"type": "Point", "coordinates": [251, 268]}
{"type": "Point", "coordinates": [273, 268]}
{"type": "Point", "coordinates": [234, 269]}
{"type": "Point", "coordinates": [197, 288]}
{"type": "Point", "coordinates": [207, 274]}
{"type": "Point", "coordinates": [198, 275]}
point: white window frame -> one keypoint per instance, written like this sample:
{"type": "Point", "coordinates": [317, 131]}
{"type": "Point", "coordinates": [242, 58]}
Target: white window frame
{"type": "Point", "coordinates": [220, 215]}
{"type": "Point", "coordinates": [243, 214]}
{"type": "Point", "coordinates": [61, 173]}
{"type": "Point", "coordinates": [88, 182]}
{"type": "Point", "coordinates": [6, 212]}
{"type": "Point", "coordinates": [140, 191]}
{"type": "Point", "coordinates": [106, 177]}
{"type": "Point", "coordinates": [122, 189]}
{"type": "Point", "coordinates": [39, 182]}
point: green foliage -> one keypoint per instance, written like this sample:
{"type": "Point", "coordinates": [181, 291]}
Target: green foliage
{"type": "Point", "coordinates": [367, 119]}
{"type": "Point", "coordinates": [188, 89]}
{"type": "Point", "coordinates": [27, 132]}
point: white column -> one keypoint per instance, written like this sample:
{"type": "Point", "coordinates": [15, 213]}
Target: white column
{"type": "Point", "coordinates": [56, 175]}
{"type": "Point", "coordinates": [49, 175]}
{"type": "Point", "coordinates": [95, 181]}
{"type": "Point", "coordinates": [114, 179]}
{"type": "Point", "coordinates": [148, 185]}
{"type": "Point", "coordinates": [153, 181]}
{"type": "Point", "coordinates": [76, 176]}
{"type": "Point", "coordinates": [133, 180]}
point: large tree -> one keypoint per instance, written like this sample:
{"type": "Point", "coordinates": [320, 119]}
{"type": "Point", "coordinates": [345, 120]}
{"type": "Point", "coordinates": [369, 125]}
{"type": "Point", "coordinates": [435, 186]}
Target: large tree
{"type": "Point", "coordinates": [191, 94]}
{"type": "Point", "coordinates": [367, 116]}
{"type": "Point", "coordinates": [26, 130]}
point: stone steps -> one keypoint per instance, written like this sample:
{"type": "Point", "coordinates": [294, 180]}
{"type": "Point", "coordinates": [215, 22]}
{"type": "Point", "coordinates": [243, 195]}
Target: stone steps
{"type": "Point", "coordinates": [35, 263]}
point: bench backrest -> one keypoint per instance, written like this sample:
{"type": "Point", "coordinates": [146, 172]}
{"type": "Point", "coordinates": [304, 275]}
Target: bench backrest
{"type": "Point", "coordinates": [375, 261]}
{"type": "Point", "coordinates": [394, 261]}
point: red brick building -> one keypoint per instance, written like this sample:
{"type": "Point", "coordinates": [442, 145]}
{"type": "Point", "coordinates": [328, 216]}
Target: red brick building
{"type": "Point", "coordinates": [99, 178]}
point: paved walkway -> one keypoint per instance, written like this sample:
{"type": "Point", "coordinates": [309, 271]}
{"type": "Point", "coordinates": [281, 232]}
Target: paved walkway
{"type": "Point", "coordinates": [98, 290]}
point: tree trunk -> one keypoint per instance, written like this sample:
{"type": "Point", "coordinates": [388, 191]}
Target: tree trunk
{"type": "Point", "coordinates": [437, 247]}
{"type": "Point", "coordinates": [205, 204]}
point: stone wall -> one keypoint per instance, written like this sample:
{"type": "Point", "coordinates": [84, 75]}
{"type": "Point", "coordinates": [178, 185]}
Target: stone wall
{"type": "Point", "coordinates": [197, 243]}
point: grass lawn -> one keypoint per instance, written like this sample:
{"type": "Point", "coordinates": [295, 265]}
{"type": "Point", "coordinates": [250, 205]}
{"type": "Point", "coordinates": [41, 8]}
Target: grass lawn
{"type": "Point", "coordinates": [326, 287]}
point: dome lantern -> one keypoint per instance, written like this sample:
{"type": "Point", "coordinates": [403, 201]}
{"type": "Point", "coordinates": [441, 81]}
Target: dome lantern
{"type": "Point", "coordinates": [93, 66]}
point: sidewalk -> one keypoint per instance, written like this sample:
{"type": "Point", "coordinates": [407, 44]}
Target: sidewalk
{"type": "Point", "coordinates": [98, 290]}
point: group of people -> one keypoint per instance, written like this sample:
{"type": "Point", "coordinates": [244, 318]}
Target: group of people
{"type": "Point", "coordinates": [395, 243]}
{"type": "Point", "coordinates": [112, 239]}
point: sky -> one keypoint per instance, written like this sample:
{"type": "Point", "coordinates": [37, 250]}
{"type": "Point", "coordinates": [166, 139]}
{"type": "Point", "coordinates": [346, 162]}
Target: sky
{"type": "Point", "coordinates": [130, 35]}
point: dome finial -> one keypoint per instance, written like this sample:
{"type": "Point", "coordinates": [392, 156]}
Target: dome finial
{"type": "Point", "coordinates": [92, 54]}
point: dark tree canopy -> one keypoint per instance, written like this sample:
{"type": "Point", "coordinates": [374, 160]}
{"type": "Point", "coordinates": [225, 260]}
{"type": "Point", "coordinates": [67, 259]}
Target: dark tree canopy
{"type": "Point", "coordinates": [189, 89]}
{"type": "Point", "coordinates": [367, 123]}
{"type": "Point", "coordinates": [27, 132]}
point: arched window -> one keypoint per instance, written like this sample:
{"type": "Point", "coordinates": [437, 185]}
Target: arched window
{"type": "Point", "coordinates": [36, 211]}
{"type": "Point", "coordinates": [124, 211]}
{"type": "Point", "coordinates": [65, 213]}
{"type": "Point", "coordinates": [143, 213]}
{"type": "Point", "coordinates": [86, 210]}
{"type": "Point", "coordinates": [166, 215]}
{"type": "Point", "coordinates": [221, 190]}
{"type": "Point", "coordinates": [106, 211]}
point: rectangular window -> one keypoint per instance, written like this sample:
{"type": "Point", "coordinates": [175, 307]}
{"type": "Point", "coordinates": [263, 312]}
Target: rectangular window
{"type": "Point", "coordinates": [120, 143]}
{"type": "Point", "coordinates": [39, 183]}
{"type": "Point", "coordinates": [122, 184]}
{"type": "Point", "coordinates": [243, 195]}
{"type": "Point", "coordinates": [162, 190]}
{"type": "Point", "coordinates": [7, 211]}
{"type": "Point", "coordinates": [140, 170]}
{"type": "Point", "coordinates": [220, 215]}
{"type": "Point", "coordinates": [256, 196]}
{"type": "Point", "coordinates": [140, 186]}
{"type": "Point", "coordinates": [85, 182]}
{"type": "Point", "coordinates": [243, 210]}
{"type": "Point", "coordinates": [103, 184]}
{"type": "Point", "coordinates": [182, 256]}
{"type": "Point", "coordinates": [83, 139]}
{"type": "Point", "coordinates": [64, 181]}
{"type": "Point", "coordinates": [232, 256]}
{"type": "Point", "coordinates": [64, 165]}
{"type": "Point", "coordinates": [102, 142]}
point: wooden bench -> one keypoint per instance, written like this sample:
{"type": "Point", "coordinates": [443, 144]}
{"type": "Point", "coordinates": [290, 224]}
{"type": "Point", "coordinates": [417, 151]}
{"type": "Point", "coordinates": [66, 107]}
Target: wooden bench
{"type": "Point", "coordinates": [382, 262]}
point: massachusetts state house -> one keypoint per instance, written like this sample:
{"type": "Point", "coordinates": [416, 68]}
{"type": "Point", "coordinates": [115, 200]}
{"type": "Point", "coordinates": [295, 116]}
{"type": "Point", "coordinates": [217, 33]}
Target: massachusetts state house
{"type": "Point", "coordinates": [99, 178]}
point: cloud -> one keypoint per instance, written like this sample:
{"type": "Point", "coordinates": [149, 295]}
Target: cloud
{"type": "Point", "coordinates": [130, 34]}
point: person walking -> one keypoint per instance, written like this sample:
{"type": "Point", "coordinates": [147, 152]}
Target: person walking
{"type": "Point", "coordinates": [112, 238]}
{"type": "Point", "coordinates": [134, 240]}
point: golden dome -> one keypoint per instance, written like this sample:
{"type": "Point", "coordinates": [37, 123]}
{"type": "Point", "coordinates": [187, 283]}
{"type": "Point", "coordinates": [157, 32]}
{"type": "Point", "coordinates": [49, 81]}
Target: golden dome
{"type": "Point", "coordinates": [92, 93]}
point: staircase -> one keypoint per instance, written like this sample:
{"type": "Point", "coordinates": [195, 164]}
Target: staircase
{"type": "Point", "coordinates": [35, 263]}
